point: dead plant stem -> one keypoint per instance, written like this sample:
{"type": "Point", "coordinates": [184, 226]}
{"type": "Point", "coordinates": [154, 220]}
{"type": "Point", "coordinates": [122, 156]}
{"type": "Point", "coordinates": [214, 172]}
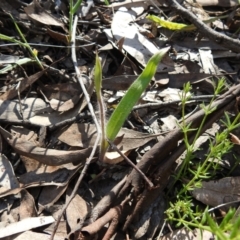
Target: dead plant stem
{"type": "Point", "coordinates": [90, 107]}
{"type": "Point", "coordinates": [132, 164]}
{"type": "Point", "coordinates": [103, 125]}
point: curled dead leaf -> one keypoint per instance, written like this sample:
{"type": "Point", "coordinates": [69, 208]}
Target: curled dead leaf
{"type": "Point", "coordinates": [234, 139]}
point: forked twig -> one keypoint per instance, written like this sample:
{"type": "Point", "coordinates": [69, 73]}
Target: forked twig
{"type": "Point", "coordinates": [131, 163]}
{"type": "Point", "coordinates": [90, 107]}
{"type": "Point", "coordinates": [219, 38]}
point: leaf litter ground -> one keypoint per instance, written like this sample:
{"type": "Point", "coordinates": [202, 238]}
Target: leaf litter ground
{"type": "Point", "coordinates": [47, 132]}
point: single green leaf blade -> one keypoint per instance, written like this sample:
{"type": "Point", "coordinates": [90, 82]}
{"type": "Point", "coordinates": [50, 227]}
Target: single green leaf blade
{"type": "Point", "coordinates": [133, 94]}
{"type": "Point", "coordinates": [76, 7]}
{"type": "Point", "coordinates": [19, 62]}
{"type": "Point", "coordinates": [106, 2]}
{"type": "Point", "coordinates": [170, 25]}
{"type": "Point", "coordinates": [98, 76]}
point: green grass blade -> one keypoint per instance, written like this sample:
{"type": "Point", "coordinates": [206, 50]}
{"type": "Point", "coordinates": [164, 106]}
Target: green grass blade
{"type": "Point", "coordinates": [26, 43]}
{"type": "Point", "coordinates": [20, 62]}
{"type": "Point", "coordinates": [18, 29]}
{"type": "Point", "coordinates": [11, 39]}
{"type": "Point", "coordinates": [98, 86]}
{"type": "Point", "coordinates": [98, 76]}
{"type": "Point", "coordinates": [133, 95]}
{"type": "Point", "coordinates": [76, 7]}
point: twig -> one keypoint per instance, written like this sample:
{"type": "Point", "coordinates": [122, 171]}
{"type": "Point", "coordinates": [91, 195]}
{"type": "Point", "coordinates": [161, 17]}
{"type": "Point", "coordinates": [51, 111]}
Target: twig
{"type": "Point", "coordinates": [228, 42]}
{"type": "Point", "coordinates": [164, 104]}
{"type": "Point", "coordinates": [161, 150]}
{"type": "Point", "coordinates": [88, 161]}
{"type": "Point", "coordinates": [113, 214]}
{"type": "Point", "coordinates": [131, 163]}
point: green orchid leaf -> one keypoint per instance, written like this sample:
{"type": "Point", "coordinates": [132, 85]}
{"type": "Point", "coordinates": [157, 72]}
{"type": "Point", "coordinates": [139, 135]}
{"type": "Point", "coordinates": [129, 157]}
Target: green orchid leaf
{"type": "Point", "coordinates": [98, 76]}
{"type": "Point", "coordinates": [132, 95]}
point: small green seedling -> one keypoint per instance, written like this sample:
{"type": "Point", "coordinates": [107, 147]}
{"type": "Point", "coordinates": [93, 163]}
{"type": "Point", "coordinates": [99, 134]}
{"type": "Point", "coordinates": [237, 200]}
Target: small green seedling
{"type": "Point", "coordinates": [23, 44]}
{"type": "Point", "coordinates": [73, 9]}
{"type": "Point", "coordinates": [127, 103]}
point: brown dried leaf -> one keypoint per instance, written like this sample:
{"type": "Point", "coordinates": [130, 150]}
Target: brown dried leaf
{"type": "Point", "coordinates": [61, 232]}
{"type": "Point", "coordinates": [48, 175]}
{"type": "Point", "coordinates": [76, 211]}
{"type": "Point", "coordinates": [176, 80]}
{"type": "Point", "coordinates": [6, 192]}
{"type": "Point", "coordinates": [115, 157]}
{"type": "Point", "coordinates": [83, 135]}
{"type": "Point", "coordinates": [10, 109]}
{"type": "Point", "coordinates": [31, 164]}
{"type": "Point", "coordinates": [234, 139]}
{"type": "Point", "coordinates": [39, 14]}
{"type": "Point", "coordinates": [46, 119]}
{"type": "Point", "coordinates": [78, 135]}
{"type": "Point", "coordinates": [49, 195]}
{"type": "Point", "coordinates": [62, 96]}
{"type": "Point", "coordinates": [121, 82]}
{"type": "Point", "coordinates": [58, 36]}
{"type": "Point", "coordinates": [27, 206]}
{"type": "Point", "coordinates": [214, 193]}
{"type": "Point", "coordinates": [50, 157]}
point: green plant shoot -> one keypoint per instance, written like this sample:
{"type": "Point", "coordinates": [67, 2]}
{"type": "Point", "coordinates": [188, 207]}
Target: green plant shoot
{"type": "Point", "coordinates": [131, 97]}
{"type": "Point", "coordinates": [98, 86]}
{"type": "Point", "coordinates": [98, 76]}
{"type": "Point", "coordinates": [72, 10]}
{"type": "Point", "coordinates": [179, 26]}
{"type": "Point", "coordinates": [25, 43]}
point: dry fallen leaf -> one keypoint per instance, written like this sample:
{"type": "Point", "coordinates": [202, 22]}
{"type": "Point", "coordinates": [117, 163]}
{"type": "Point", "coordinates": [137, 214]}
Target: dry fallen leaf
{"type": "Point", "coordinates": [27, 207]}
{"type": "Point", "coordinates": [23, 84]}
{"type": "Point", "coordinates": [137, 45]}
{"type": "Point", "coordinates": [234, 139]}
{"type": "Point", "coordinates": [76, 211]}
{"type": "Point", "coordinates": [63, 96]}
{"type": "Point", "coordinates": [50, 195]}
{"type": "Point", "coordinates": [49, 175]}
{"type": "Point", "coordinates": [218, 192]}
{"type": "Point", "coordinates": [31, 107]}
{"type": "Point", "coordinates": [39, 14]}
{"type": "Point", "coordinates": [50, 157]}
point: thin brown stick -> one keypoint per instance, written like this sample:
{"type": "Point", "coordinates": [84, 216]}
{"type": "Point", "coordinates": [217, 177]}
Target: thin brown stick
{"type": "Point", "coordinates": [113, 214]}
{"type": "Point", "coordinates": [132, 164]}
{"type": "Point", "coordinates": [88, 161]}
{"type": "Point", "coordinates": [192, 99]}
{"type": "Point", "coordinates": [161, 151]}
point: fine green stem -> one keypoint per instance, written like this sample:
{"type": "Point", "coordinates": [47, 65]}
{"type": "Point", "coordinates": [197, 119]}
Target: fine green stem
{"type": "Point", "coordinates": [24, 44]}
